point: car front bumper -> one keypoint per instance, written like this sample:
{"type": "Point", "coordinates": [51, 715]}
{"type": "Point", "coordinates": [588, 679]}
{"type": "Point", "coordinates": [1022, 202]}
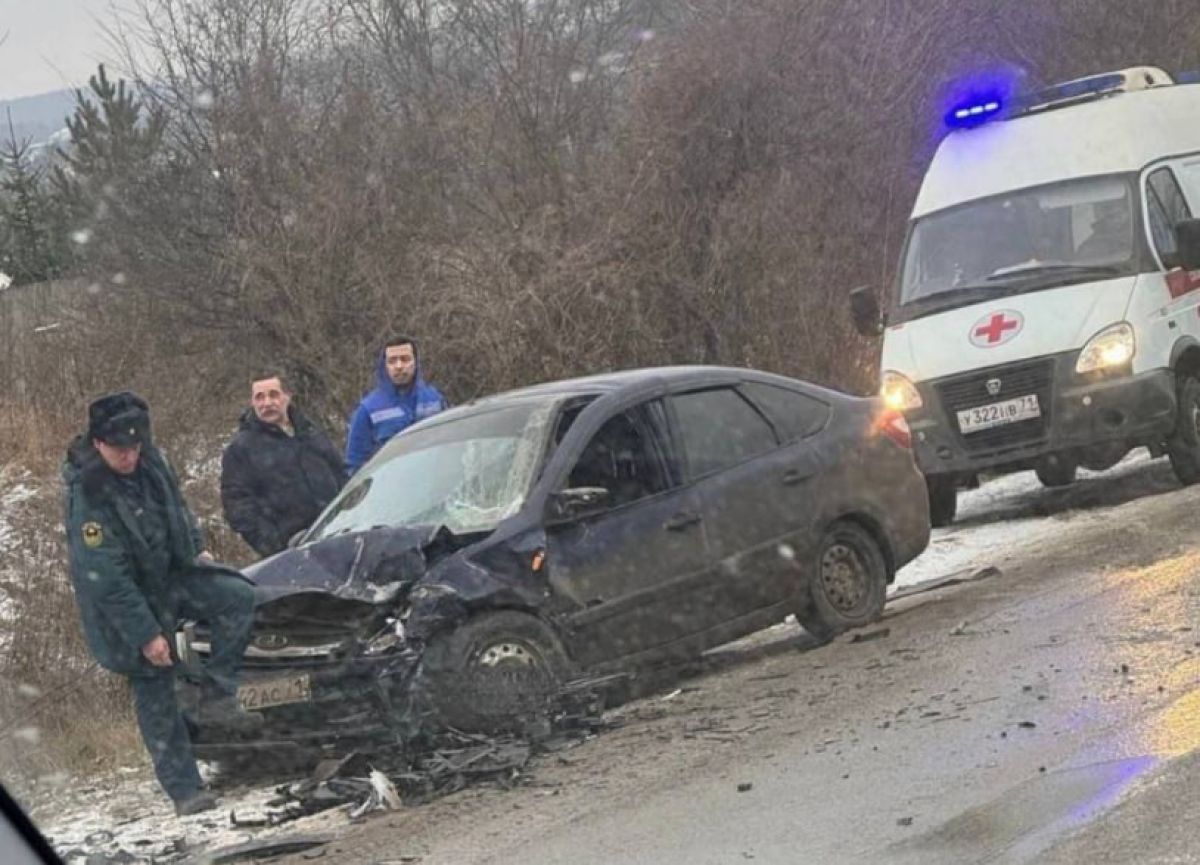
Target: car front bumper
{"type": "Point", "coordinates": [1078, 414]}
{"type": "Point", "coordinates": [329, 704]}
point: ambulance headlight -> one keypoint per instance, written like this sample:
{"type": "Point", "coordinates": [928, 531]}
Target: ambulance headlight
{"type": "Point", "coordinates": [899, 393]}
{"type": "Point", "coordinates": [1112, 347]}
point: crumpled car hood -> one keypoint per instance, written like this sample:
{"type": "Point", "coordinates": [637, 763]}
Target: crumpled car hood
{"type": "Point", "coordinates": [372, 567]}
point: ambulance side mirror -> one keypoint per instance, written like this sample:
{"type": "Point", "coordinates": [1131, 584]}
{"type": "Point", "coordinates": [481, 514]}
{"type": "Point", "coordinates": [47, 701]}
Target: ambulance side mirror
{"type": "Point", "coordinates": [1187, 243]}
{"type": "Point", "coordinates": [865, 312]}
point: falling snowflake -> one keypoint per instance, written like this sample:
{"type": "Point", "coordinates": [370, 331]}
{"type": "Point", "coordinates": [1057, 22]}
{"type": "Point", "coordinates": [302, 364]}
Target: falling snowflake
{"type": "Point", "coordinates": [28, 735]}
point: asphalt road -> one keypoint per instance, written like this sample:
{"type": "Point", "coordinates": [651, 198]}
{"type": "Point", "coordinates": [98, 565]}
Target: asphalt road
{"type": "Point", "coordinates": [1045, 711]}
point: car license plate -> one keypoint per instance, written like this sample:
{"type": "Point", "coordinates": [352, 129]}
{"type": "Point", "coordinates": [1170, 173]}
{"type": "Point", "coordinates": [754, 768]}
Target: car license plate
{"type": "Point", "coordinates": [275, 692]}
{"type": "Point", "coordinates": [999, 413]}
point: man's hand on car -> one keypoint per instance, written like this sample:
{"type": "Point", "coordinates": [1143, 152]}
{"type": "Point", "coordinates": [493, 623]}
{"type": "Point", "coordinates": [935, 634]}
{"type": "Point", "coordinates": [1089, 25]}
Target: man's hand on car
{"type": "Point", "coordinates": [158, 652]}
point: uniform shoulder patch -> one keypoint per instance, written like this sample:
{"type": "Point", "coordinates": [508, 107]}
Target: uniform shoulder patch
{"type": "Point", "coordinates": [93, 535]}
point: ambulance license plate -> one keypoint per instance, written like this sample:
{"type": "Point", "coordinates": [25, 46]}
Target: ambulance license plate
{"type": "Point", "coordinates": [275, 692]}
{"type": "Point", "coordinates": [999, 413]}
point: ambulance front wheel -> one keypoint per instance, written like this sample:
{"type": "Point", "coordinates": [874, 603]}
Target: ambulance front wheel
{"type": "Point", "coordinates": [1183, 449]}
{"type": "Point", "coordinates": [1056, 471]}
{"type": "Point", "coordinates": [943, 499]}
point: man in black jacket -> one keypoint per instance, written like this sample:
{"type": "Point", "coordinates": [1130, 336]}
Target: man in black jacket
{"type": "Point", "coordinates": [280, 470]}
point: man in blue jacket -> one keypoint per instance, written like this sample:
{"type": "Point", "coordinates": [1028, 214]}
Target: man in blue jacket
{"type": "Point", "coordinates": [401, 398]}
{"type": "Point", "coordinates": [138, 564]}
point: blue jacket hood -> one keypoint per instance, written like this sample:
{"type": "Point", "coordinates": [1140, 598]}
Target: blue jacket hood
{"type": "Point", "coordinates": [387, 410]}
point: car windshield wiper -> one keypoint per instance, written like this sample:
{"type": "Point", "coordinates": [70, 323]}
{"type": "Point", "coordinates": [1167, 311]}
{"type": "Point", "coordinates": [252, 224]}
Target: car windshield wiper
{"type": "Point", "coordinates": [965, 295]}
{"type": "Point", "coordinates": [1032, 268]}
{"type": "Point", "coordinates": [955, 296]}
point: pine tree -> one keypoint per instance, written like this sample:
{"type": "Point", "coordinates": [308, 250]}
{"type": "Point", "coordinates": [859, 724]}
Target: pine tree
{"type": "Point", "coordinates": [33, 235]}
{"type": "Point", "coordinates": [115, 140]}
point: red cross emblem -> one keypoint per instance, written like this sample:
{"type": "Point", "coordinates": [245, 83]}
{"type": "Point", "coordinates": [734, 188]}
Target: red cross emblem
{"type": "Point", "coordinates": [996, 328]}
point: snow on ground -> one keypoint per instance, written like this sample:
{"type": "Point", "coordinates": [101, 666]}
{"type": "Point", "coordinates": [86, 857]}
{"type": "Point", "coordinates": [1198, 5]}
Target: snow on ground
{"type": "Point", "coordinates": [15, 489]}
{"type": "Point", "coordinates": [128, 812]}
{"type": "Point", "coordinates": [984, 536]}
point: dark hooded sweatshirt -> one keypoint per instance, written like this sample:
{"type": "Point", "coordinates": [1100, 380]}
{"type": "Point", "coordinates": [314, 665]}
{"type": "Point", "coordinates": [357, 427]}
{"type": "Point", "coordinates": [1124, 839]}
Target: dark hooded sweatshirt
{"type": "Point", "coordinates": [274, 484]}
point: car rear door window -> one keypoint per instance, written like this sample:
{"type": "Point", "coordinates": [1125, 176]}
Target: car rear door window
{"type": "Point", "coordinates": [628, 456]}
{"type": "Point", "coordinates": [795, 415]}
{"type": "Point", "coordinates": [720, 429]}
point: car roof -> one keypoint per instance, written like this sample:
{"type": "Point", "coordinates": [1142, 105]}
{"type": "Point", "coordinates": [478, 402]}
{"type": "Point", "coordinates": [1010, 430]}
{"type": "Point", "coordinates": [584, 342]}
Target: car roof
{"type": "Point", "coordinates": [631, 381]}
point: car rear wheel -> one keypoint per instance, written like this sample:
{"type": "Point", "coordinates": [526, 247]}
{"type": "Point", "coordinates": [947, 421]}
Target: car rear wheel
{"type": "Point", "coordinates": [499, 671]}
{"type": "Point", "coordinates": [943, 499]}
{"type": "Point", "coordinates": [1184, 447]}
{"type": "Point", "coordinates": [848, 584]}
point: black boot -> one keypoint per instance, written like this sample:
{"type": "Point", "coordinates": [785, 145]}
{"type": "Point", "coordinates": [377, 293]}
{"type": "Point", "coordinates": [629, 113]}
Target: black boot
{"type": "Point", "coordinates": [196, 803]}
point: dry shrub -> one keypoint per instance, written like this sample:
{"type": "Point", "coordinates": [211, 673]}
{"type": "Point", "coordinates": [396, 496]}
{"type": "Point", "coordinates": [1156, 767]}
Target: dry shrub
{"type": "Point", "coordinates": [59, 713]}
{"type": "Point", "coordinates": [31, 438]}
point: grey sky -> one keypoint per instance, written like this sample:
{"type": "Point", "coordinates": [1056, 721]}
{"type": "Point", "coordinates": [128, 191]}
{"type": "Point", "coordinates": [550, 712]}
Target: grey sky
{"type": "Point", "coordinates": [51, 44]}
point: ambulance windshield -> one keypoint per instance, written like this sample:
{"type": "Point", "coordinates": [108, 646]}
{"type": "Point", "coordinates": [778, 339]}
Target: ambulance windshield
{"type": "Point", "coordinates": [1040, 237]}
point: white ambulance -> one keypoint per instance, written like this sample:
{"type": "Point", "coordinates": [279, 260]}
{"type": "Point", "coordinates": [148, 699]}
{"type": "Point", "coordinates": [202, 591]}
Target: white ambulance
{"type": "Point", "coordinates": [1046, 313]}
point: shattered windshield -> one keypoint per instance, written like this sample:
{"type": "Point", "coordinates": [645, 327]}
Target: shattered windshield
{"type": "Point", "coordinates": [467, 475]}
{"type": "Point", "coordinates": [1079, 229]}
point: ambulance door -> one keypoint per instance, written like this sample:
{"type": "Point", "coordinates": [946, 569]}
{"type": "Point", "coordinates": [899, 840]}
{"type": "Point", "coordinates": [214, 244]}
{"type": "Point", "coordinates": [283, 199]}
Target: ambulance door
{"type": "Point", "coordinates": [1166, 204]}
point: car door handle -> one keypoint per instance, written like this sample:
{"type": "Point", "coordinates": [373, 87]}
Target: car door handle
{"type": "Point", "coordinates": [681, 521]}
{"type": "Point", "coordinates": [794, 476]}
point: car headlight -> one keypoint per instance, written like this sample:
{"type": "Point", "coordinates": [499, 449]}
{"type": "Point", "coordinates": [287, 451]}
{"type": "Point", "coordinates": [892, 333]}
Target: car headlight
{"type": "Point", "coordinates": [899, 393]}
{"type": "Point", "coordinates": [1113, 346]}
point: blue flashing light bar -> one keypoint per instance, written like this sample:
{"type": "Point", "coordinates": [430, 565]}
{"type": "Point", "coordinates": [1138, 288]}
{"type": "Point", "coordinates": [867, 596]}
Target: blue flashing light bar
{"type": "Point", "coordinates": [1097, 85]}
{"type": "Point", "coordinates": [977, 110]}
{"type": "Point", "coordinates": [972, 114]}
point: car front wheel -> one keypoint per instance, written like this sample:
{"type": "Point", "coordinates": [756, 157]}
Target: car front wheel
{"type": "Point", "coordinates": [1183, 449]}
{"type": "Point", "coordinates": [498, 671]}
{"type": "Point", "coordinates": [1058, 471]}
{"type": "Point", "coordinates": [847, 587]}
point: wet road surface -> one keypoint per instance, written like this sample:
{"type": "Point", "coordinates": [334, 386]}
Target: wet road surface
{"type": "Point", "coordinates": [994, 720]}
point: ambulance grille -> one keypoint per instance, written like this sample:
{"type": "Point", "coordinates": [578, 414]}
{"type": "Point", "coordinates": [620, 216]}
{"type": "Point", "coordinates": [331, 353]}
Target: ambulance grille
{"type": "Point", "coordinates": [1017, 379]}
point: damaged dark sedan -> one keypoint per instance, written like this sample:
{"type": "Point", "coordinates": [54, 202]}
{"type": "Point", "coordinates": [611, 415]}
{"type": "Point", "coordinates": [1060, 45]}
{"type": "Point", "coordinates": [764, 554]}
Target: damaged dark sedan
{"type": "Point", "coordinates": [499, 550]}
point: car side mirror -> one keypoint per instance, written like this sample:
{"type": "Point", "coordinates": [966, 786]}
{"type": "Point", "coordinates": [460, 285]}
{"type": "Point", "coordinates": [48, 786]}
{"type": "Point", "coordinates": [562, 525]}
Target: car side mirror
{"type": "Point", "coordinates": [568, 505]}
{"type": "Point", "coordinates": [865, 312]}
{"type": "Point", "coordinates": [1187, 244]}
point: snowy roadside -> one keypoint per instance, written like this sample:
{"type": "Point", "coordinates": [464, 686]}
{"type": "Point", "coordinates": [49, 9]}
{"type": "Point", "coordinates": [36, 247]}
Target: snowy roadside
{"type": "Point", "coordinates": [126, 811]}
{"type": "Point", "coordinates": [983, 537]}
{"type": "Point", "coordinates": [126, 815]}
{"type": "Point", "coordinates": [16, 488]}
